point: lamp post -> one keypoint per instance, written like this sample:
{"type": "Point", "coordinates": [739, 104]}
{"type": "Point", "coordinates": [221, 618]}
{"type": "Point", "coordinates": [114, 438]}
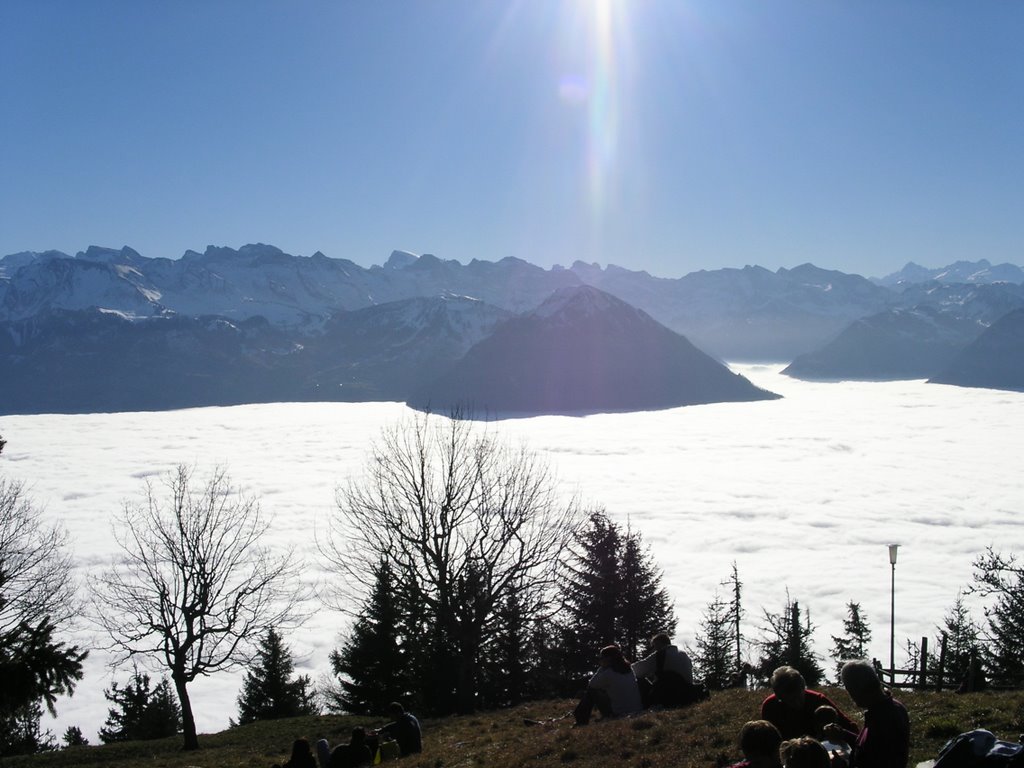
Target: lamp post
{"type": "Point", "coordinates": [892, 616]}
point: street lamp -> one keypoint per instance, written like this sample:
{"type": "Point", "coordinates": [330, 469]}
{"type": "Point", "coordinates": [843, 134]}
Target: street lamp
{"type": "Point", "coordinates": [892, 616]}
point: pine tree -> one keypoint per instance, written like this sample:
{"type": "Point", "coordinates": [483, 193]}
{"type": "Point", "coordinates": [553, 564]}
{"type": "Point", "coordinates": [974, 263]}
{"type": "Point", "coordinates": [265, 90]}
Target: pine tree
{"type": "Point", "coordinates": [788, 642]}
{"type": "Point", "coordinates": [962, 640]}
{"type": "Point", "coordinates": [21, 732]}
{"type": "Point", "coordinates": [646, 607]}
{"type": "Point", "coordinates": [713, 659]}
{"type": "Point", "coordinates": [373, 665]}
{"type": "Point", "coordinates": [591, 593]}
{"type": "Point", "coordinates": [853, 644]}
{"type": "Point", "coordinates": [141, 712]}
{"type": "Point", "coordinates": [1002, 577]}
{"type": "Point", "coordinates": [73, 737]}
{"type": "Point", "coordinates": [612, 594]}
{"type": "Point", "coordinates": [270, 690]}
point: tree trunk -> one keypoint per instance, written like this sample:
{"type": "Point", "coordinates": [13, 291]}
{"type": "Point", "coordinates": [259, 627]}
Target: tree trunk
{"type": "Point", "coordinates": [188, 721]}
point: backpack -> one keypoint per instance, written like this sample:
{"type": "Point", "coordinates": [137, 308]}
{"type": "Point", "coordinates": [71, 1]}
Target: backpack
{"type": "Point", "coordinates": [980, 749]}
{"type": "Point", "coordinates": [671, 689]}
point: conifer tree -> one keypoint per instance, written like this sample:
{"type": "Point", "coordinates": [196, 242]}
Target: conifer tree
{"type": "Point", "coordinates": [713, 659]}
{"type": "Point", "coordinates": [511, 661]}
{"type": "Point", "coordinates": [590, 593]}
{"type": "Point", "coordinates": [612, 594]}
{"type": "Point", "coordinates": [787, 641]}
{"type": "Point", "coordinates": [962, 640]}
{"type": "Point", "coordinates": [853, 643]}
{"type": "Point", "coordinates": [646, 607]}
{"type": "Point", "coordinates": [141, 712]}
{"type": "Point", "coordinates": [21, 732]}
{"type": "Point", "coordinates": [373, 665]}
{"type": "Point", "coordinates": [73, 737]}
{"type": "Point", "coordinates": [1002, 577]}
{"type": "Point", "coordinates": [270, 690]}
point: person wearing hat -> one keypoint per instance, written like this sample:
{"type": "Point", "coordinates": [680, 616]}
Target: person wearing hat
{"type": "Point", "coordinates": [613, 689]}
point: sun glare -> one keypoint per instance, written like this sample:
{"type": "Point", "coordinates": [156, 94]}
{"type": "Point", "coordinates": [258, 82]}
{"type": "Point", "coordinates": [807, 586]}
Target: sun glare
{"type": "Point", "coordinates": [601, 26]}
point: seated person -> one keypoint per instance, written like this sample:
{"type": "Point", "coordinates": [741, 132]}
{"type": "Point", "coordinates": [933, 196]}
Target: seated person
{"type": "Point", "coordinates": [759, 743]}
{"type": "Point", "coordinates": [803, 752]}
{"type": "Point", "coordinates": [352, 755]}
{"type": "Point", "coordinates": [791, 707]}
{"type": "Point", "coordinates": [884, 741]}
{"type": "Point", "coordinates": [405, 729]}
{"type": "Point", "coordinates": [666, 676]}
{"type": "Point", "coordinates": [302, 756]}
{"type": "Point", "coordinates": [612, 689]}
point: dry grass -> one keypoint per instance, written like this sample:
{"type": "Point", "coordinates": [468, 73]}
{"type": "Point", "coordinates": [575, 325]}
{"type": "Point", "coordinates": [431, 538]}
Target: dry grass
{"type": "Point", "coordinates": [702, 736]}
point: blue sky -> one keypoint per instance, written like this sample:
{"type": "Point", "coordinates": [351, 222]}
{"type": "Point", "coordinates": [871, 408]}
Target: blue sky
{"type": "Point", "coordinates": [666, 135]}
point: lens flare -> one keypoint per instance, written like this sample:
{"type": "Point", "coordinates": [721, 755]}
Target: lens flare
{"type": "Point", "coordinates": [603, 117]}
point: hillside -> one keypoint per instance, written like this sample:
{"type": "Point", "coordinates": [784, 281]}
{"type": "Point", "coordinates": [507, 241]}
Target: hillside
{"type": "Point", "coordinates": [702, 736]}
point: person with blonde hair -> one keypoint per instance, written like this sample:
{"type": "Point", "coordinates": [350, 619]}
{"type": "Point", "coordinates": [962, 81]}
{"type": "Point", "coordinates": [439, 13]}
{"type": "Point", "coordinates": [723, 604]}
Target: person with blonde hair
{"type": "Point", "coordinates": [791, 706]}
{"type": "Point", "coordinates": [804, 752]}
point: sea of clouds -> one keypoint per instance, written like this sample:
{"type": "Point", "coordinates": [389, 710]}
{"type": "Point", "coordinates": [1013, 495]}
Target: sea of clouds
{"type": "Point", "coordinates": [803, 493]}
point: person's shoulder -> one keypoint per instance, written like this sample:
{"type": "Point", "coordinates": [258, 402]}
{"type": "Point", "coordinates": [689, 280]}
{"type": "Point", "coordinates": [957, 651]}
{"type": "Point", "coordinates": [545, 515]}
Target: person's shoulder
{"type": "Point", "coordinates": [770, 701]}
{"type": "Point", "coordinates": [897, 705]}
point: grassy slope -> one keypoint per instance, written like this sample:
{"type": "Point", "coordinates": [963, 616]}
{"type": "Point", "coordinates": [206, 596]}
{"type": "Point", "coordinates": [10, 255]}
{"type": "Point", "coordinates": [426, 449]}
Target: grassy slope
{"type": "Point", "coordinates": [703, 735]}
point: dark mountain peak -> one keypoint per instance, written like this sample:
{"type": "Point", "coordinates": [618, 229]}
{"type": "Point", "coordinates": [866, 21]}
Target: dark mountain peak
{"type": "Point", "coordinates": [995, 360]}
{"type": "Point", "coordinates": [583, 351]}
{"type": "Point", "coordinates": [584, 301]}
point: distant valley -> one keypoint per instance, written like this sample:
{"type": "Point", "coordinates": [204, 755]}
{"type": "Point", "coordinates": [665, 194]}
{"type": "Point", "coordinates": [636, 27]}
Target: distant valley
{"type": "Point", "coordinates": [110, 329]}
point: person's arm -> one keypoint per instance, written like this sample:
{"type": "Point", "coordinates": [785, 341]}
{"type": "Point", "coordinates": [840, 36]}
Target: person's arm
{"type": "Point", "coordinates": [599, 681]}
{"type": "Point", "coordinates": [842, 720]}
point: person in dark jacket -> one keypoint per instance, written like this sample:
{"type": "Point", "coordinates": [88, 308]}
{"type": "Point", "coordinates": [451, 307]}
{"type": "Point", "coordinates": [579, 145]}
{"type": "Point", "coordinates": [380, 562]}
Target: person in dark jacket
{"type": "Point", "coordinates": [884, 741]}
{"type": "Point", "coordinates": [302, 756]}
{"type": "Point", "coordinates": [405, 729]}
{"type": "Point", "coordinates": [791, 707]}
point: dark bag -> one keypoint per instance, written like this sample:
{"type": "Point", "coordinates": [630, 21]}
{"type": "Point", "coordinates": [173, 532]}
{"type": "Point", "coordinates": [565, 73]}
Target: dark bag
{"type": "Point", "coordinates": [980, 749]}
{"type": "Point", "coordinates": [672, 690]}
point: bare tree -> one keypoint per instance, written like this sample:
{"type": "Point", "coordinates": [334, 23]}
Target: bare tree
{"type": "Point", "coordinates": [34, 563]}
{"type": "Point", "coordinates": [466, 520]}
{"type": "Point", "coordinates": [195, 589]}
{"type": "Point", "coordinates": [37, 599]}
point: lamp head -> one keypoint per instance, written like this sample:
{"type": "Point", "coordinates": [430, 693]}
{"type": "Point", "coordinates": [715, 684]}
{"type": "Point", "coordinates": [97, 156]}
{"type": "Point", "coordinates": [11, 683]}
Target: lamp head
{"type": "Point", "coordinates": [892, 553]}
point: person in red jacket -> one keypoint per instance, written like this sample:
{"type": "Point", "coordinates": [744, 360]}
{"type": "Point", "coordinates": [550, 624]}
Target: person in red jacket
{"type": "Point", "coordinates": [791, 707]}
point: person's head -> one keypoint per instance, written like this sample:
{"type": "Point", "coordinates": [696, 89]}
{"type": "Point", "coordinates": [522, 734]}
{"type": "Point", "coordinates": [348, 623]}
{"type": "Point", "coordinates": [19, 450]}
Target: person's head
{"type": "Point", "coordinates": [862, 682]}
{"type": "Point", "coordinates": [789, 687]}
{"type": "Point", "coordinates": [395, 709]}
{"type": "Point", "coordinates": [660, 640]}
{"type": "Point", "coordinates": [300, 749]}
{"type": "Point", "coordinates": [358, 736]}
{"type": "Point", "coordinates": [759, 741]}
{"type": "Point", "coordinates": [611, 656]}
{"type": "Point", "coordinates": [825, 715]}
{"type": "Point", "coordinates": [804, 752]}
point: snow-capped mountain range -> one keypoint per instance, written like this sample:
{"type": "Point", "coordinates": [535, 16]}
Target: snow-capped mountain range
{"type": "Point", "coordinates": [256, 323]}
